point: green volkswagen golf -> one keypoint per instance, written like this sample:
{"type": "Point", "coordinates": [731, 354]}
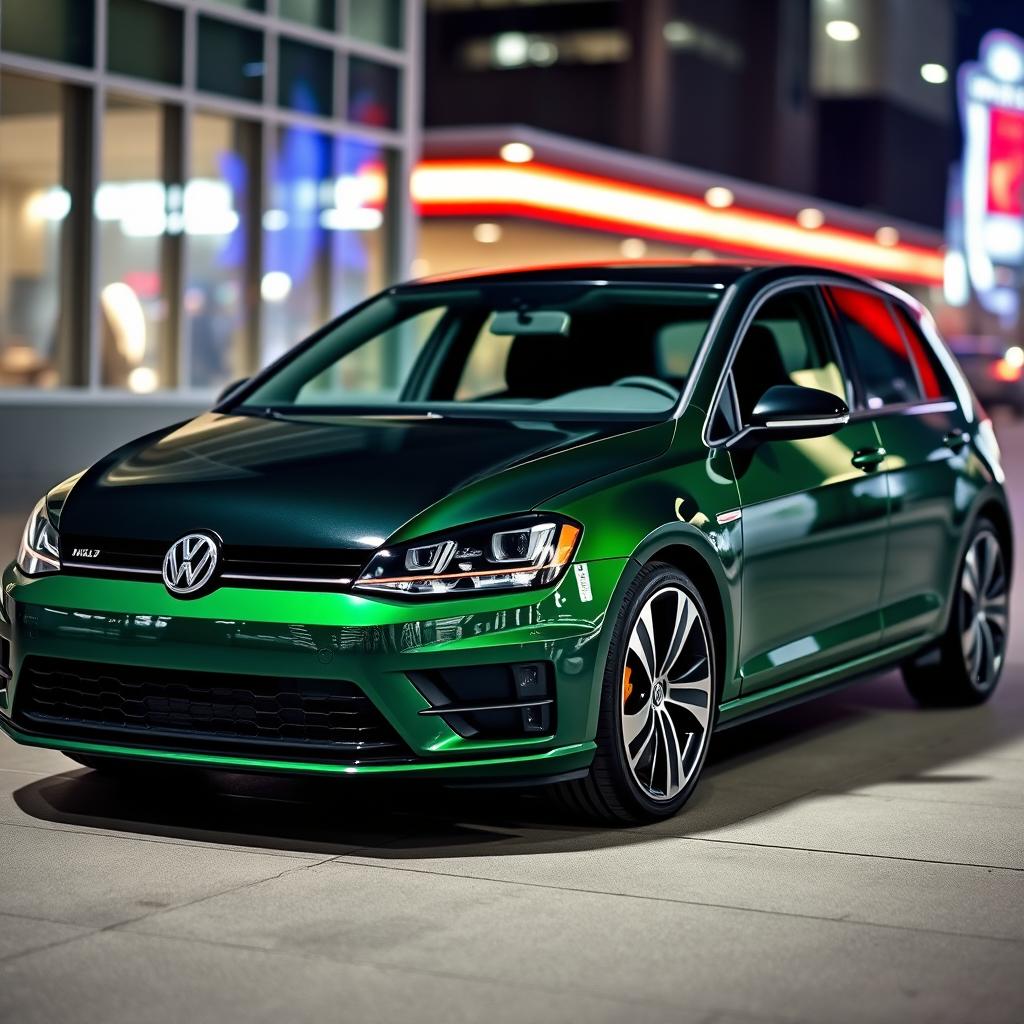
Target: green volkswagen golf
{"type": "Point", "coordinates": [551, 526]}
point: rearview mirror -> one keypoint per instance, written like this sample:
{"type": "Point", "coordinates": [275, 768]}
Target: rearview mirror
{"type": "Point", "coordinates": [788, 412]}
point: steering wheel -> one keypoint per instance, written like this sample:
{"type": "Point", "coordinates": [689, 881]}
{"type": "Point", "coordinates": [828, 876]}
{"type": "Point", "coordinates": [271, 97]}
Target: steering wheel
{"type": "Point", "coordinates": [650, 383]}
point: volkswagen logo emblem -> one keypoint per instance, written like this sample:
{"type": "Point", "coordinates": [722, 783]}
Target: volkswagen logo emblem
{"type": "Point", "coordinates": [190, 563]}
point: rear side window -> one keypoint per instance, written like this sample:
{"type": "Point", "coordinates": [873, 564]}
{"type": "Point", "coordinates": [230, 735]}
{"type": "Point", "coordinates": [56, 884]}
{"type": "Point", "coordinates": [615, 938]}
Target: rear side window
{"type": "Point", "coordinates": [877, 347]}
{"type": "Point", "coordinates": [935, 382]}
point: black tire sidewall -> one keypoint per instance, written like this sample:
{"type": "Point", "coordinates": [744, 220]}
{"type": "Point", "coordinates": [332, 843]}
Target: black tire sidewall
{"type": "Point", "coordinates": [982, 526]}
{"type": "Point", "coordinates": [651, 579]}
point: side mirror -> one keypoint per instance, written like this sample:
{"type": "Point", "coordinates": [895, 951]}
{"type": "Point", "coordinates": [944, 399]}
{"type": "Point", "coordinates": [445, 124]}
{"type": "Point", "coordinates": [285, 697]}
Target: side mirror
{"type": "Point", "coordinates": [231, 388]}
{"type": "Point", "coordinates": [787, 412]}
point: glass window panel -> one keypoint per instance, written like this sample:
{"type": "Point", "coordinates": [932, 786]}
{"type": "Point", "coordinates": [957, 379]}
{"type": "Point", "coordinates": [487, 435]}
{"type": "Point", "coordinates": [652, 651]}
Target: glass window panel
{"type": "Point", "coordinates": [36, 204]}
{"type": "Point", "coordinates": [358, 223]}
{"type": "Point", "coordinates": [230, 59]}
{"type": "Point", "coordinates": [144, 40]}
{"type": "Point", "coordinates": [786, 344]}
{"type": "Point", "coordinates": [306, 77]}
{"type": "Point", "coordinates": [376, 21]}
{"type": "Point", "coordinates": [373, 91]}
{"type": "Point", "coordinates": [52, 29]}
{"type": "Point", "coordinates": [296, 272]}
{"type": "Point", "coordinates": [245, 5]}
{"type": "Point", "coordinates": [318, 13]}
{"type": "Point", "coordinates": [221, 203]}
{"type": "Point", "coordinates": [327, 232]}
{"type": "Point", "coordinates": [134, 211]}
{"type": "Point", "coordinates": [375, 371]}
{"type": "Point", "coordinates": [934, 380]}
{"type": "Point", "coordinates": [877, 347]}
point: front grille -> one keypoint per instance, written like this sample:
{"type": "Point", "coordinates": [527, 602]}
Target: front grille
{"type": "Point", "coordinates": [202, 710]}
{"type": "Point", "coordinates": [305, 568]}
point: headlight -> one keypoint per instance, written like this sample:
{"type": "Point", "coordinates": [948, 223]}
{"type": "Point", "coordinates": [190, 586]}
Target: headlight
{"type": "Point", "coordinates": [40, 546]}
{"type": "Point", "coordinates": [511, 554]}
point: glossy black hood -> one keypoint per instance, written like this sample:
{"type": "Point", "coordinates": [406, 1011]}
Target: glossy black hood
{"type": "Point", "coordinates": [337, 482]}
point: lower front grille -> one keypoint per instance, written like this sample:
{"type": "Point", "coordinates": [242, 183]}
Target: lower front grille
{"type": "Point", "coordinates": [203, 710]}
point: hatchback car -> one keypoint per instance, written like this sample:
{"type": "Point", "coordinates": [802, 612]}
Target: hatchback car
{"type": "Point", "coordinates": [550, 526]}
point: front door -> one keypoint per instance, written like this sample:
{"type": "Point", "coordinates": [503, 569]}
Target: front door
{"type": "Point", "coordinates": [814, 511]}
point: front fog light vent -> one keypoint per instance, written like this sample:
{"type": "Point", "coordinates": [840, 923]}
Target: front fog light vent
{"type": "Point", "coordinates": [492, 701]}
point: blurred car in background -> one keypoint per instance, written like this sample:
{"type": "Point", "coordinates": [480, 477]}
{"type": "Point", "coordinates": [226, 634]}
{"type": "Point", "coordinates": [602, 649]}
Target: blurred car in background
{"type": "Point", "coordinates": [994, 368]}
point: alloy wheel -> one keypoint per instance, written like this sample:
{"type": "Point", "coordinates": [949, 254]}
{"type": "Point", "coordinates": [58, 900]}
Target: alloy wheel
{"type": "Point", "coordinates": [983, 610]}
{"type": "Point", "coordinates": [666, 694]}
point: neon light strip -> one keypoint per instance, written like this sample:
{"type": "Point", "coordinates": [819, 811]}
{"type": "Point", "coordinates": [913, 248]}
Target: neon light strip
{"type": "Point", "coordinates": [539, 191]}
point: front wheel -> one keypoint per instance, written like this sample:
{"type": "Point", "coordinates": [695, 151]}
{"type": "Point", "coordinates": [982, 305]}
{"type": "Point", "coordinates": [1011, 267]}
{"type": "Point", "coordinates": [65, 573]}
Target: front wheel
{"type": "Point", "coordinates": [965, 666]}
{"type": "Point", "coordinates": [658, 704]}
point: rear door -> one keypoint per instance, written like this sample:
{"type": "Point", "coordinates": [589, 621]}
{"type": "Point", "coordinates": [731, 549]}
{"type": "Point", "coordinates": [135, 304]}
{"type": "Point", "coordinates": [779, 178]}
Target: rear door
{"type": "Point", "coordinates": [907, 394]}
{"type": "Point", "coordinates": [813, 510]}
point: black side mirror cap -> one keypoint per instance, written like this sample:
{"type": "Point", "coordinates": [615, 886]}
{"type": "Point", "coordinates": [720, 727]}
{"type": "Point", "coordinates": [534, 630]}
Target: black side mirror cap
{"type": "Point", "coordinates": [789, 412]}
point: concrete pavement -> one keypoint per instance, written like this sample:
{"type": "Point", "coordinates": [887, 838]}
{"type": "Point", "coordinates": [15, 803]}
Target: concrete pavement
{"type": "Point", "coordinates": [853, 859]}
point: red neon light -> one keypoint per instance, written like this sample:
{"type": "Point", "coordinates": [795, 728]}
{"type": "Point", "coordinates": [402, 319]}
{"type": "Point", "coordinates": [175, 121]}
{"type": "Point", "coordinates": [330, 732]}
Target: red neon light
{"type": "Point", "coordinates": [1006, 372]}
{"type": "Point", "coordinates": [1006, 162]}
{"type": "Point", "coordinates": [541, 192]}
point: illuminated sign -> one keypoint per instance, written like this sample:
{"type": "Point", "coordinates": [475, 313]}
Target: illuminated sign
{"type": "Point", "coordinates": [990, 231]}
{"type": "Point", "coordinates": [495, 188]}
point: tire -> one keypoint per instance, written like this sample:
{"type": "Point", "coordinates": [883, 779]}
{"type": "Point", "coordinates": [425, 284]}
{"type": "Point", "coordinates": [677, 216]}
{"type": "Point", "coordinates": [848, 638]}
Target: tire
{"type": "Point", "coordinates": [678, 698]}
{"type": "Point", "coordinates": [965, 666]}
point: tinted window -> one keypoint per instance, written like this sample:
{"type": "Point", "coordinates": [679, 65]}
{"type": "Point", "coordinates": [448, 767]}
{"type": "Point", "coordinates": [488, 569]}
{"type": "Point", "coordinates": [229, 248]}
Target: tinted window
{"type": "Point", "coordinates": [574, 348]}
{"type": "Point", "coordinates": [934, 380]}
{"type": "Point", "coordinates": [305, 77]}
{"type": "Point", "coordinates": [53, 29]}
{"type": "Point", "coordinates": [230, 59]}
{"type": "Point", "coordinates": [786, 344]}
{"type": "Point", "coordinates": [373, 93]}
{"type": "Point", "coordinates": [145, 40]}
{"type": "Point", "coordinates": [876, 343]}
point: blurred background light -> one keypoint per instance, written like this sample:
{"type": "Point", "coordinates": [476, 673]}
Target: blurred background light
{"type": "Point", "coordinates": [811, 218]}
{"type": "Point", "coordinates": [516, 153]}
{"type": "Point", "coordinates": [1005, 61]}
{"type": "Point", "coordinates": [719, 197]}
{"type": "Point", "coordinates": [511, 49]}
{"type": "Point", "coordinates": [487, 233]}
{"type": "Point", "coordinates": [276, 286]}
{"type": "Point", "coordinates": [842, 31]}
{"type": "Point", "coordinates": [934, 74]}
{"type": "Point", "coordinates": [633, 248]}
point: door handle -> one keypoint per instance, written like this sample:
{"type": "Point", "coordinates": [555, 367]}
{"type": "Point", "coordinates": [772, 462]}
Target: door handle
{"type": "Point", "coordinates": [868, 458]}
{"type": "Point", "coordinates": [956, 440]}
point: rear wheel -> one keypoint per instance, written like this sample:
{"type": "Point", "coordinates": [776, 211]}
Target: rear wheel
{"type": "Point", "coordinates": [658, 704]}
{"type": "Point", "coordinates": [965, 667]}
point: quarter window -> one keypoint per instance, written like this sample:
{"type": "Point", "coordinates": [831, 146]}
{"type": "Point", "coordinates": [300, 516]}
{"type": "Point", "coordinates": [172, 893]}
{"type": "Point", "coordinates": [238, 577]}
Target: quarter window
{"type": "Point", "coordinates": [877, 346]}
{"type": "Point", "coordinates": [935, 382]}
{"type": "Point", "coordinates": [786, 344]}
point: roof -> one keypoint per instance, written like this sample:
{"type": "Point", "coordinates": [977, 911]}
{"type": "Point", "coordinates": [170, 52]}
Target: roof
{"type": "Point", "coordinates": [707, 273]}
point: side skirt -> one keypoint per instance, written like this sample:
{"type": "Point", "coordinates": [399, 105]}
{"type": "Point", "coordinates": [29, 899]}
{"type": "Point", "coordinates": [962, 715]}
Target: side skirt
{"type": "Point", "coordinates": [796, 691]}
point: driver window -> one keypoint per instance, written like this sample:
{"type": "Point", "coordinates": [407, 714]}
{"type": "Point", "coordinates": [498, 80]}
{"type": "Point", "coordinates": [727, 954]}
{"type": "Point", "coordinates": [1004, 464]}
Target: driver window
{"type": "Point", "coordinates": [786, 344]}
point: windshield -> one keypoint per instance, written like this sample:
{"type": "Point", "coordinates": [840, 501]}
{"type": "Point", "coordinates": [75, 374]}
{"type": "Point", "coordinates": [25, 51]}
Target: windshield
{"type": "Point", "coordinates": [535, 350]}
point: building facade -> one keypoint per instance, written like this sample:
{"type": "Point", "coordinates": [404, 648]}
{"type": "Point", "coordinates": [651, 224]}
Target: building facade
{"type": "Point", "coordinates": [188, 187]}
{"type": "Point", "coordinates": [847, 100]}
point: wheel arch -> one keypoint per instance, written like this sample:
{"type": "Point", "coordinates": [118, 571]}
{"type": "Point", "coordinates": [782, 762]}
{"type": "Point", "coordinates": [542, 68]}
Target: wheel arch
{"type": "Point", "coordinates": [690, 561]}
{"type": "Point", "coordinates": [998, 515]}
{"type": "Point", "coordinates": [714, 566]}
